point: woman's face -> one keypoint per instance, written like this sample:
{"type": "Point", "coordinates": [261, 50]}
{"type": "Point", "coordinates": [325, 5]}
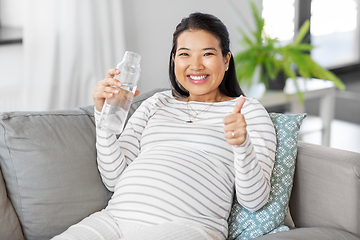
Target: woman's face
{"type": "Point", "coordinates": [200, 65]}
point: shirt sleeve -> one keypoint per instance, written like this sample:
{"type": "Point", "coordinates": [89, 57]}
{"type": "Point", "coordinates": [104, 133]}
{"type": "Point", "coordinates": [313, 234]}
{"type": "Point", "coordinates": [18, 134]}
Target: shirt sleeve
{"type": "Point", "coordinates": [115, 154]}
{"type": "Point", "coordinates": [254, 159]}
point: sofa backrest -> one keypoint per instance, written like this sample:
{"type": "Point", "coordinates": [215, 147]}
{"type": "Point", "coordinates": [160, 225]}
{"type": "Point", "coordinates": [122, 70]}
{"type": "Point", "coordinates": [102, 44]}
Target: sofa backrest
{"type": "Point", "coordinates": [48, 160]}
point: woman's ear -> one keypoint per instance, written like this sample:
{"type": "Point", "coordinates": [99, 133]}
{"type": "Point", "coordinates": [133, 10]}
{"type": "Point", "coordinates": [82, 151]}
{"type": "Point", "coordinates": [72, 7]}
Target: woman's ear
{"type": "Point", "coordinates": [227, 60]}
{"type": "Point", "coordinates": [172, 61]}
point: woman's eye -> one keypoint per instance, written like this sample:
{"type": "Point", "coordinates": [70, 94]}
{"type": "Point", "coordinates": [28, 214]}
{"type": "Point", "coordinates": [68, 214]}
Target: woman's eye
{"type": "Point", "coordinates": [183, 54]}
{"type": "Point", "coordinates": [208, 54]}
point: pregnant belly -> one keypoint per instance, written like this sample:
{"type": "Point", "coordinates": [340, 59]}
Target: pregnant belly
{"type": "Point", "coordinates": [164, 185]}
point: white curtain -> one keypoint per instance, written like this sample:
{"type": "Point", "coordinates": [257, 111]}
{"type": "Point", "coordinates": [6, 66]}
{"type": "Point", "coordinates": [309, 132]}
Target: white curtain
{"type": "Point", "coordinates": [68, 47]}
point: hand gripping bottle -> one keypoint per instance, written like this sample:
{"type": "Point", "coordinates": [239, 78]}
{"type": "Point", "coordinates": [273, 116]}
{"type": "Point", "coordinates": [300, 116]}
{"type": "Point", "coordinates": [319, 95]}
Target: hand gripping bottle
{"type": "Point", "coordinates": [115, 109]}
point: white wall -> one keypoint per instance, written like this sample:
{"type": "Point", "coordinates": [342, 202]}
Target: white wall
{"type": "Point", "coordinates": [11, 12]}
{"type": "Point", "coordinates": [149, 26]}
{"type": "Point", "coordinates": [11, 58]}
{"type": "Point", "coordinates": [11, 84]}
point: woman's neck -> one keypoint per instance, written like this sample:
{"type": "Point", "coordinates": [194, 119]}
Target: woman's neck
{"type": "Point", "coordinates": [205, 98]}
{"type": "Point", "coordinates": [220, 98]}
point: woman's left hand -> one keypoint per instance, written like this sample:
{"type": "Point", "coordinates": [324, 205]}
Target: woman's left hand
{"type": "Point", "coordinates": [235, 125]}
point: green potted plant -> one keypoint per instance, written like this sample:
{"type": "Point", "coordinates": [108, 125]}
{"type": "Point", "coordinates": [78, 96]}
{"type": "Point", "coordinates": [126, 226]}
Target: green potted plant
{"type": "Point", "coordinates": [266, 55]}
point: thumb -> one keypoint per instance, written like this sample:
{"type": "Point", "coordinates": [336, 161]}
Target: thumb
{"type": "Point", "coordinates": [239, 104]}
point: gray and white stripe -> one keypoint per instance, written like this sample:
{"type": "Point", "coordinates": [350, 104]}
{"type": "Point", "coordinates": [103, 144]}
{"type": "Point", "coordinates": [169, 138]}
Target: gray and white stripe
{"type": "Point", "coordinates": [163, 169]}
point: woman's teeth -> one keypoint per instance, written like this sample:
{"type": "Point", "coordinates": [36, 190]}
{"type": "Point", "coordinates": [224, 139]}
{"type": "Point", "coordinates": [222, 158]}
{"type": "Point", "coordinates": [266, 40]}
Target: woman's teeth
{"type": "Point", "coordinates": [198, 77]}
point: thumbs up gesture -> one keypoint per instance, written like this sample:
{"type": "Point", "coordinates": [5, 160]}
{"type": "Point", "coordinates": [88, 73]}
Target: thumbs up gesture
{"type": "Point", "coordinates": [235, 125]}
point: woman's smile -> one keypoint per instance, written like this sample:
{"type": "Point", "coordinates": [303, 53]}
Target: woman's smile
{"type": "Point", "coordinates": [198, 79]}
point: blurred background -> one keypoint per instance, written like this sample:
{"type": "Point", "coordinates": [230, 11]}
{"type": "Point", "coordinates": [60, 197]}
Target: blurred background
{"type": "Point", "coordinates": [53, 52]}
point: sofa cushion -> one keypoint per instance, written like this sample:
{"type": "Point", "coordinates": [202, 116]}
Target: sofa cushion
{"type": "Point", "coordinates": [48, 160]}
{"type": "Point", "coordinates": [9, 222]}
{"type": "Point", "coordinates": [244, 224]}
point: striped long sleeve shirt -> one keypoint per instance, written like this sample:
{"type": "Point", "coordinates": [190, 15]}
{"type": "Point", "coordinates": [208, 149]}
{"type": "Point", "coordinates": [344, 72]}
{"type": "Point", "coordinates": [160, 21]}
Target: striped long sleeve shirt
{"type": "Point", "coordinates": [162, 168]}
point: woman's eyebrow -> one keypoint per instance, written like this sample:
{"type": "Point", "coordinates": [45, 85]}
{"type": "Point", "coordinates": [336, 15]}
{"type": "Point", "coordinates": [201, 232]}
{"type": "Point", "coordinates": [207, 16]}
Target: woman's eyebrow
{"type": "Point", "coordinates": [210, 48]}
{"type": "Point", "coordinates": [204, 49]}
{"type": "Point", "coordinates": [183, 49]}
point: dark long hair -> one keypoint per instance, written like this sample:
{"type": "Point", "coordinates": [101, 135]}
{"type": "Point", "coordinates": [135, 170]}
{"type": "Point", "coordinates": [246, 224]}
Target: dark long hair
{"type": "Point", "coordinates": [201, 21]}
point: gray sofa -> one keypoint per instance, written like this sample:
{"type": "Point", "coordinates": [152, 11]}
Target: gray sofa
{"type": "Point", "coordinates": [49, 180]}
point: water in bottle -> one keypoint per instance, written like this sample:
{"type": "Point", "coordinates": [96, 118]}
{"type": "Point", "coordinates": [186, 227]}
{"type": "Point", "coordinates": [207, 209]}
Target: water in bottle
{"type": "Point", "coordinates": [115, 110]}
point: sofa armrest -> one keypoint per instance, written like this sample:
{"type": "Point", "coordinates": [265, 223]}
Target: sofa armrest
{"type": "Point", "coordinates": [326, 190]}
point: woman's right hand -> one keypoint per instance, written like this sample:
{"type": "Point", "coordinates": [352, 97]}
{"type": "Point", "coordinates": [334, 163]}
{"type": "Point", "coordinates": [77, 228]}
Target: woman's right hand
{"type": "Point", "coordinates": [106, 88]}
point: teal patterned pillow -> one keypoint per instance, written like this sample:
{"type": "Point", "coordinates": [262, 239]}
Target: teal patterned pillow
{"type": "Point", "coordinates": [244, 224]}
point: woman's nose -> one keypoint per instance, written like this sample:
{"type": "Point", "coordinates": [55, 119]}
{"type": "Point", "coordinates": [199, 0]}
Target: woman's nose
{"type": "Point", "coordinates": [196, 63]}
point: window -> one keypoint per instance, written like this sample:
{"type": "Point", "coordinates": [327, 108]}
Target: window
{"type": "Point", "coordinates": [334, 27]}
{"type": "Point", "coordinates": [279, 21]}
{"type": "Point", "coordinates": [334, 32]}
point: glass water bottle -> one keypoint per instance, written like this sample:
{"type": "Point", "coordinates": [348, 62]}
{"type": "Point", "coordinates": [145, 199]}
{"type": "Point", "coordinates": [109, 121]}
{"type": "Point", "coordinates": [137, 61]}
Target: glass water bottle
{"type": "Point", "coordinates": [115, 109]}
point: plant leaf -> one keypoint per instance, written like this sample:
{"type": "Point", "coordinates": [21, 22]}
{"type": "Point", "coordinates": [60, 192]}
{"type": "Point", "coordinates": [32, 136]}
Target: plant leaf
{"type": "Point", "coordinates": [302, 32]}
{"type": "Point", "coordinates": [259, 21]}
